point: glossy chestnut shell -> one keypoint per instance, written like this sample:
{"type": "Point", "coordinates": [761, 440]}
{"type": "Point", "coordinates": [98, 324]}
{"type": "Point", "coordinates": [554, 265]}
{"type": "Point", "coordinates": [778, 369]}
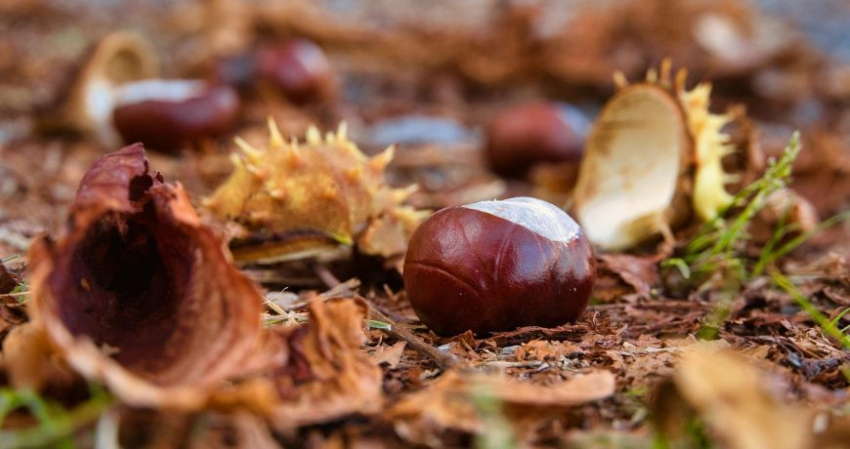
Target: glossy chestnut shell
{"type": "Point", "coordinates": [498, 265]}
{"type": "Point", "coordinates": [298, 69]}
{"type": "Point", "coordinates": [520, 137]}
{"type": "Point", "coordinates": [167, 114]}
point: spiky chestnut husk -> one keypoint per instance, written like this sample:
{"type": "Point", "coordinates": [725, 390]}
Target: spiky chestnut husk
{"type": "Point", "coordinates": [653, 158]}
{"type": "Point", "coordinates": [294, 200]}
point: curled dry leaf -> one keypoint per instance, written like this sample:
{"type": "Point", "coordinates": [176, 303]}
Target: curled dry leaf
{"type": "Point", "coordinates": [653, 159]}
{"type": "Point", "coordinates": [32, 362]}
{"type": "Point", "coordinates": [138, 293]}
{"type": "Point", "coordinates": [639, 272]}
{"type": "Point", "coordinates": [295, 200]}
{"type": "Point", "coordinates": [318, 372]}
{"type": "Point", "coordinates": [389, 356]}
{"type": "Point", "coordinates": [730, 395]}
{"type": "Point", "coordinates": [449, 403]}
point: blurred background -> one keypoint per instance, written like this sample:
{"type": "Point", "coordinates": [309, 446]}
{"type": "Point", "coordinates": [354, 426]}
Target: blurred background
{"type": "Point", "coordinates": [428, 78]}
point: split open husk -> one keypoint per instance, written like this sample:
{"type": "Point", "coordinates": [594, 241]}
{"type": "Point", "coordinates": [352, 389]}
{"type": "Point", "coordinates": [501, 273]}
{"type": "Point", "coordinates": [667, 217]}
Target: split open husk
{"type": "Point", "coordinates": [652, 160]}
{"type": "Point", "coordinates": [139, 294]}
{"type": "Point", "coordinates": [294, 200]}
{"type": "Point", "coordinates": [86, 102]}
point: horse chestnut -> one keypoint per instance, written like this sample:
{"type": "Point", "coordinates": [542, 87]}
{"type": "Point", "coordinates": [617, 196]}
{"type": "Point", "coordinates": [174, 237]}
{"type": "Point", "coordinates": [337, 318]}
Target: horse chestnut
{"type": "Point", "coordinates": [298, 69]}
{"type": "Point", "coordinates": [523, 136]}
{"type": "Point", "coordinates": [165, 114]}
{"type": "Point", "coordinates": [497, 265]}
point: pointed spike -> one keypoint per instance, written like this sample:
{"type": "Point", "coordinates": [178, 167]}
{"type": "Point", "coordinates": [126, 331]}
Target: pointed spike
{"type": "Point", "coordinates": [245, 146]}
{"type": "Point", "coordinates": [666, 68]}
{"type": "Point", "coordinates": [350, 147]}
{"type": "Point", "coordinates": [402, 194]}
{"type": "Point", "coordinates": [236, 160]}
{"type": "Point", "coordinates": [620, 79]}
{"type": "Point", "coordinates": [293, 143]}
{"type": "Point", "coordinates": [703, 91]}
{"type": "Point", "coordinates": [380, 161]}
{"type": "Point", "coordinates": [354, 173]}
{"type": "Point", "coordinates": [314, 137]}
{"type": "Point", "coordinates": [342, 132]}
{"type": "Point", "coordinates": [330, 137]}
{"type": "Point", "coordinates": [294, 159]}
{"type": "Point", "coordinates": [652, 75]}
{"type": "Point", "coordinates": [681, 77]}
{"type": "Point", "coordinates": [256, 171]}
{"type": "Point", "coordinates": [720, 120]}
{"type": "Point", "coordinates": [276, 140]}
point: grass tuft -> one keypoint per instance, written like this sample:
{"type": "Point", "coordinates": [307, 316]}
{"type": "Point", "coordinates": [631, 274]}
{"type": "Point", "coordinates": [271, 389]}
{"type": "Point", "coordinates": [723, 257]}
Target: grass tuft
{"type": "Point", "coordinates": [719, 243]}
{"type": "Point", "coordinates": [56, 424]}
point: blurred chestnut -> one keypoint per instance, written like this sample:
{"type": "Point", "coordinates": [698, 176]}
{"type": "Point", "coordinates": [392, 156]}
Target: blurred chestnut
{"type": "Point", "coordinates": [165, 114]}
{"type": "Point", "coordinates": [237, 71]}
{"type": "Point", "coordinates": [523, 136]}
{"type": "Point", "coordinates": [298, 69]}
{"type": "Point", "coordinates": [85, 101]}
{"type": "Point", "coordinates": [497, 265]}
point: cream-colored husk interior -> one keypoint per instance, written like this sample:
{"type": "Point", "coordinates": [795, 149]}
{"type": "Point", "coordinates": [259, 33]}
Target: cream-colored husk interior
{"type": "Point", "coordinates": [631, 168]}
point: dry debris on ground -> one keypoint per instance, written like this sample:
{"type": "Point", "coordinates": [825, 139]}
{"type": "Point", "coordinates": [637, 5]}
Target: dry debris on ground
{"type": "Point", "coordinates": [126, 321]}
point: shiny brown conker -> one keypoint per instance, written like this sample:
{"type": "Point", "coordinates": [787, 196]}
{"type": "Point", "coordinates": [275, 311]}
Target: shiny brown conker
{"type": "Point", "coordinates": [522, 136]}
{"type": "Point", "coordinates": [498, 265]}
{"type": "Point", "coordinates": [166, 114]}
{"type": "Point", "coordinates": [298, 69]}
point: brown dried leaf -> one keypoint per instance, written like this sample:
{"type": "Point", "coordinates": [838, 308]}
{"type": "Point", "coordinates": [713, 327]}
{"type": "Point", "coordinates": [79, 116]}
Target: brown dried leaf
{"type": "Point", "coordinates": [545, 350]}
{"type": "Point", "coordinates": [31, 361]}
{"type": "Point", "coordinates": [730, 395]}
{"type": "Point", "coordinates": [139, 294]}
{"type": "Point", "coordinates": [640, 272]}
{"type": "Point", "coordinates": [321, 374]}
{"type": "Point", "coordinates": [572, 332]}
{"type": "Point", "coordinates": [449, 402]}
{"type": "Point", "coordinates": [389, 355]}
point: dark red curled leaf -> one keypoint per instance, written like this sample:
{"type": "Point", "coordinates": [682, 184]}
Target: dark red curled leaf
{"type": "Point", "coordinates": [138, 293]}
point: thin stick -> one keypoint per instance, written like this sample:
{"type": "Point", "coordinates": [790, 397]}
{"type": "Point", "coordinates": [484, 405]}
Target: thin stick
{"type": "Point", "coordinates": [443, 359]}
{"type": "Point", "coordinates": [325, 275]}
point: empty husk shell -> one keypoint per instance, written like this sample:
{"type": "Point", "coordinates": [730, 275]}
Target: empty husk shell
{"type": "Point", "coordinates": [86, 101]}
{"type": "Point", "coordinates": [138, 294]}
{"type": "Point", "coordinates": [652, 160]}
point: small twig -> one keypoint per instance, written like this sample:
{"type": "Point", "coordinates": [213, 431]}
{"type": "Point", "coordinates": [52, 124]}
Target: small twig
{"type": "Point", "coordinates": [325, 275]}
{"type": "Point", "coordinates": [444, 360]}
{"type": "Point", "coordinates": [344, 289]}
